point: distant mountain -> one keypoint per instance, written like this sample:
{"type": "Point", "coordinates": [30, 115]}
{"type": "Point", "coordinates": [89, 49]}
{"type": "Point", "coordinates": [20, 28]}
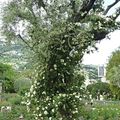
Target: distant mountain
{"type": "Point", "coordinates": [12, 53]}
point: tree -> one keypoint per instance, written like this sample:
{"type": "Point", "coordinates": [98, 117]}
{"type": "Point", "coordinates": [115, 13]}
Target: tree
{"type": "Point", "coordinates": [99, 88]}
{"type": "Point", "coordinates": [7, 76]}
{"type": "Point", "coordinates": [113, 73]}
{"type": "Point", "coordinates": [58, 34]}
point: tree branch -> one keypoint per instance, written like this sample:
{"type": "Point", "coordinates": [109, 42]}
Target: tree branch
{"type": "Point", "coordinates": [31, 47]}
{"type": "Point", "coordinates": [110, 6]}
{"type": "Point", "coordinates": [117, 13]}
{"type": "Point", "coordinates": [86, 7]}
{"type": "Point", "coordinates": [73, 6]}
{"type": "Point", "coordinates": [99, 35]}
{"type": "Point", "coordinates": [41, 4]}
{"type": "Point", "coordinates": [28, 45]}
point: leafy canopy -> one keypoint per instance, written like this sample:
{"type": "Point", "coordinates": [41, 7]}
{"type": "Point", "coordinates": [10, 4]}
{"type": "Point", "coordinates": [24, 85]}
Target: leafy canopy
{"type": "Point", "coordinates": [113, 73]}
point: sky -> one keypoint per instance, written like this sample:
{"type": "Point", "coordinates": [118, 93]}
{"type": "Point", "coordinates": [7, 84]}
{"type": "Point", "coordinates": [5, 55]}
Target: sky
{"type": "Point", "coordinates": [105, 47]}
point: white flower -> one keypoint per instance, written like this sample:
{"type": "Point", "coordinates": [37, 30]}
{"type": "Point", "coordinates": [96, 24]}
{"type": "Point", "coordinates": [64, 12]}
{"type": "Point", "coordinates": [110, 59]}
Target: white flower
{"type": "Point", "coordinates": [78, 23]}
{"type": "Point", "coordinates": [75, 112]}
{"type": "Point", "coordinates": [43, 92]}
{"type": "Point", "coordinates": [47, 98]}
{"type": "Point", "coordinates": [58, 73]}
{"type": "Point", "coordinates": [50, 118]}
{"type": "Point", "coordinates": [53, 101]}
{"type": "Point", "coordinates": [28, 103]}
{"type": "Point", "coordinates": [31, 95]}
{"type": "Point", "coordinates": [53, 110]}
{"type": "Point", "coordinates": [34, 92]}
{"type": "Point", "coordinates": [37, 108]}
{"type": "Point", "coordinates": [62, 60]}
{"type": "Point", "coordinates": [63, 41]}
{"type": "Point", "coordinates": [74, 93]}
{"type": "Point", "coordinates": [76, 52]}
{"type": "Point", "coordinates": [65, 64]}
{"type": "Point", "coordinates": [28, 94]}
{"type": "Point", "coordinates": [76, 96]}
{"type": "Point", "coordinates": [36, 118]}
{"type": "Point", "coordinates": [55, 65]}
{"type": "Point", "coordinates": [93, 108]}
{"type": "Point", "coordinates": [35, 81]}
{"type": "Point", "coordinates": [80, 98]}
{"type": "Point", "coordinates": [48, 104]}
{"type": "Point", "coordinates": [63, 95]}
{"type": "Point", "coordinates": [40, 115]}
{"type": "Point", "coordinates": [60, 119]}
{"type": "Point", "coordinates": [56, 105]}
{"type": "Point", "coordinates": [45, 112]}
{"type": "Point", "coordinates": [28, 109]}
{"type": "Point", "coordinates": [31, 89]}
{"type": "Point", "coordinates": [23, 102]}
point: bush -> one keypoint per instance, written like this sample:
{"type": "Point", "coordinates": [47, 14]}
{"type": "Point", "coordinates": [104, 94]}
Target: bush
{"type": "Point", "coordinates": [6, 96]}
{"type": "Point", "coordinates": [22, 85]}
{"type": "Point", "coordinates": [99, 88]}
{"type": "Point", "coordinates": [15, 113]}
{"type": "Point", "coordinates": [7, 76]}
{"type": "Point", "coordinates": [4, 103]}
{"type": "Point", "coordinates": [15, 100]}
{"type": "Point", "coordinates": [105, 112]}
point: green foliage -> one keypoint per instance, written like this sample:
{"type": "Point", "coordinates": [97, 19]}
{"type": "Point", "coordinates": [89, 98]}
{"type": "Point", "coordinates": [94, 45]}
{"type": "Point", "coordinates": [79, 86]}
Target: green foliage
{"type": "Point", "coordinates": [22, 85]}
{"type": "Point", "coordinates": [7, 76]}
{"type": "Point", "coordinates": [12, 99]}
{"type": "Point", "coordinates": [106, 111]}
{"type": "Point", "coordinates": [98, 89]}
{"type": "Point", "coordinates": [58, 33]}
{"type": "Point", "coordinates": [17, 109]}
{"type": "Point", "coordinates": [6, 96]}
{"type": "Point", "coordinates": [16, 100]}
{"type": "Point", "coordinates": [16, 112]}
{"type": "Point", "coordinates": [4, 103]}
{"type": "Point", "coordinates": [114, 61]}
{"type": "Point", "coordinates": [116, 91]}
{"type": "Point", "coordinates": [113, 73]}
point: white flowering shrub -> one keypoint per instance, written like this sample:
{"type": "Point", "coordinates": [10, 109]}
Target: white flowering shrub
{"type": "Point", "coordinates": [60, 106]}
{"type": "Point", "coordinates": [58, 33]}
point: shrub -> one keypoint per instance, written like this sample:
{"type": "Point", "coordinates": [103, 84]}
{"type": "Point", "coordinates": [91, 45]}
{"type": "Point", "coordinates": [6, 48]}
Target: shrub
{"type": "Point", "coordinates": [15, 100]}
{"type": "Point", "coordinates": [4, 103]}
{"type": "Point", "coordinates": [106, 111]}
{"type": "Point", "coordinates": [7, 76]}
{"type": "Point", "coordinates": [15, 113]}
{"type": "Point", "coordinates": [6, 96]}
{"type": "Point", "coordinates": [22, 85]}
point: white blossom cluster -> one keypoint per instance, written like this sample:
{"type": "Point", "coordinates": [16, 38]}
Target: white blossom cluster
{"type": "Point", "coordinates": [50, 106]}
{"type": "Point", "coordinates": [47, 107]}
